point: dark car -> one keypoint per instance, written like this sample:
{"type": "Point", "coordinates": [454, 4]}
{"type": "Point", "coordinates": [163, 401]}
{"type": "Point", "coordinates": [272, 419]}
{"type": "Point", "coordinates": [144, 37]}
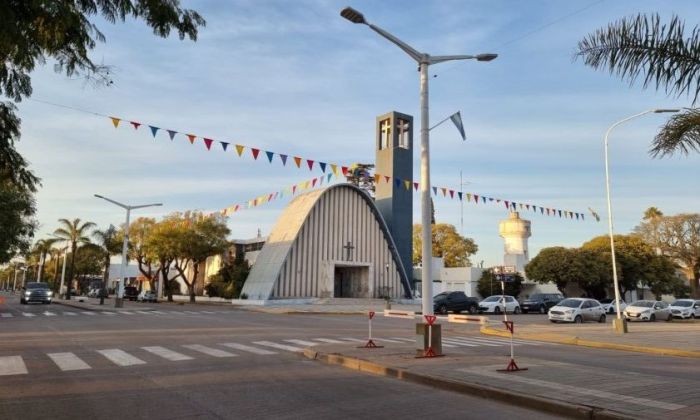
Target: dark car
{"type": "Point", "coordinates": [36, 292]}
{"type": "Point", "coordinates": [540, 302]}
{"type": "Point", "coordinates": [131, 293]}
{"type": "Point", "coordinates": [455, 302]}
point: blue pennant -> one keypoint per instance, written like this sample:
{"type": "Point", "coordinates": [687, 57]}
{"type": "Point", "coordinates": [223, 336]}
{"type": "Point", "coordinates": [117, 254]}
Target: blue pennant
{"type": "Point", "coordinates": [224, 145]}
{"type": "Point", "coordinates": [154, 130]}
{"type": "Point", "coordinates": [270, 155]}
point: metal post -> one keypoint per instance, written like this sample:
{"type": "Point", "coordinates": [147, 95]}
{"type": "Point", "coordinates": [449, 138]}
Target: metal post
{"type": "Point", "coordinates": [14, 285]}
{"type": "Point", "coordinates": [119, 300]}
{"type": "Point", "coordinates": [41, 265]}
{"type": "Point", "coordinates": [24, 276]}
{"type": "Point", "coordinates": [427, 246]}
{"type": "Point", "coordinates": [161, 278]}
{"type": "Point", "coordinates": [63, 270]}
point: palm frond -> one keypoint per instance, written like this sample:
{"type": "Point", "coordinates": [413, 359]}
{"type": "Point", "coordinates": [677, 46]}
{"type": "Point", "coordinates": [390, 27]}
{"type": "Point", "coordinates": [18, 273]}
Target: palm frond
{"type": "Point", "coordinates": [681, 133]}
{"type": "Point", "coordinates": [643, 47]}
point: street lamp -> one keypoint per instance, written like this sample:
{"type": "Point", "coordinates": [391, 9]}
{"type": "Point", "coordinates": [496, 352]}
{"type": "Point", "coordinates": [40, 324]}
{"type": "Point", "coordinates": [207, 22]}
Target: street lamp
{"type": "Point", "coordinates": [619, 324]}
{"type": "Point", "coordinates": [119, 300]}
{"type": "Point", "coordinates": [424, 60]}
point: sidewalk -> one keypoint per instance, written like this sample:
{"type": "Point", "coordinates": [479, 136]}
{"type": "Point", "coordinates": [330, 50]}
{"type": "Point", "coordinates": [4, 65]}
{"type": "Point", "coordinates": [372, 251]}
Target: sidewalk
{"type": "Point", "coordinates": [566, 389]}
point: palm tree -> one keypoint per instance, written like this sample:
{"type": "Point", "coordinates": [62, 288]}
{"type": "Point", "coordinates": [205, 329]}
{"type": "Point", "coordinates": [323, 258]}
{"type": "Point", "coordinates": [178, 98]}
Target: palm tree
{"type": "Point", "coordinates": [643, 47]}
{"type": "Point", "coordinates": [74, 232]}
{"type": "Point", "coordinates": [108, 243]}
{"type": "Point", "coordinates": [42, 248]}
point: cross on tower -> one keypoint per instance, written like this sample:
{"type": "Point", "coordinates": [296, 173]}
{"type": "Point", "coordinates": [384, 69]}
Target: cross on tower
{"type": "Point", "coordinates": [385, 128]}
{"type": "Point", "coordinates": [348, 249]}
{"type": "Point", "coordinates": [403, 129]}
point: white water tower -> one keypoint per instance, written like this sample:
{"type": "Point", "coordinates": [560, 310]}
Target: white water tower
{"type": "Point", "coordinates": [515, 232]}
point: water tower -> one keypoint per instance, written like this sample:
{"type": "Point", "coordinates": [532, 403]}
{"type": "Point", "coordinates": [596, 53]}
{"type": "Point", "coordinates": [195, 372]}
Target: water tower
{"type": "Point", "coordinates": [515, 232]}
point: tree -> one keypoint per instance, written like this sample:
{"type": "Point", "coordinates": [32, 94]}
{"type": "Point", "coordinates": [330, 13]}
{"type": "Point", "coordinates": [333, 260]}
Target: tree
{"type": "Point", "coordinates": [74, 232]}
{"type": "Point", "coordinates": [43, 248]}
{"type": "Point", "coordinates": [359, 175]}
{"type": "Point", "coordinates": [447, 243]}
{"type": "Point", "coordinates": [228, 281]}
{"type": "Point", "coordinates": [109, 244]}
{"type": "Point", "coordinates": [554, 265]}
{"type": "Point", "coordinates": [63, 32]}
{"type": "Point", "coordinates": [88, 265]}
{"type": "Point", "coordinates": [490, 285]}
{"type": "Point", "coordinates": [643, 47]}
{"type": "Point", "coordinates": [139, 231]}
{"type": "Point", "coordinates": [677, 237]}
{"type": "Point", "coordinates": [162, 242]}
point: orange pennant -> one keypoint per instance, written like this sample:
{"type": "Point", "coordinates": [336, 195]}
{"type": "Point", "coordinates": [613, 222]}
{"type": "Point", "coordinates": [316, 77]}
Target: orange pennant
{"type": "Point", "coordinates": [297, 160]}
{"type": "Point", "coordinates": [192, 137]}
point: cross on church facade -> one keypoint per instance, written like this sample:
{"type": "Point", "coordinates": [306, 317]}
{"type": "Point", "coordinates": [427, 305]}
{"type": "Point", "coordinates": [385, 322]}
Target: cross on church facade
{"type": "Point", "coordinates": [348, 250]}
{"type": "Point", "coordinates": [403, 129]}
{"type": "Point", "coordinates": [385, 137]}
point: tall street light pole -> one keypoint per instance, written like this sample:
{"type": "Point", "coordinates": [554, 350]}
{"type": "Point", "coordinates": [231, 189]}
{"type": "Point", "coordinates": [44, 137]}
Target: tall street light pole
{"type": "Point", "coordinates": [619, 324]}
{"type": "Point", "coordinates": [424, 60]}
{"type": "Point", "coordinates": [119, 300]}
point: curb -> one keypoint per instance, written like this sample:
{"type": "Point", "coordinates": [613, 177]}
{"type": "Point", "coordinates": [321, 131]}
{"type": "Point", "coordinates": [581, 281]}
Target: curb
{"type": "Point", "coordinates": [517, 399]}
{"type": "Point", "coordinates": [576, 341]}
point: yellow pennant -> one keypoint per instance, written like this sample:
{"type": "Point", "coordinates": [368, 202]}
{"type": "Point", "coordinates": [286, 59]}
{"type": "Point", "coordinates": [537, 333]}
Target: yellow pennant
{"type": "Point", "coordinates": [115, 121]}
{"type": "Point", "coordinates": [407, 184]}
{"type": "Point", "coordinates": [239, 149]}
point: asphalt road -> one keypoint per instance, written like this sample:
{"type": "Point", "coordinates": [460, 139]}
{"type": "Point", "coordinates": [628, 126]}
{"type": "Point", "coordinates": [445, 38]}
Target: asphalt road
{"type": "Point", "coordinates": [204, 362]}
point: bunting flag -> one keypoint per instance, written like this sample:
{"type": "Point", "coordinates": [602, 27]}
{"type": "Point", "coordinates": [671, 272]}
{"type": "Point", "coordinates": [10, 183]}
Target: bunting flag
{"type": "Point", "coordinates": [115, 121]}
{"type": "Point", "coordinates": [444, 191]}
{"type": "Point", "coordinates": [415, 186]}
{"type": "Point", "coordinates": [344, 170]}
{"type": "Point", "coordinates": [224, 145]}
{"type": "Point", "coordinates": [310, 164]}
{"type": "Point", "coordinates": [154, 130]}
{"type": "Point", "coordinates": [297, 161]}
{"type": "Point", "coordinates": [407, 185]}
{"type": "Point", "coordinates": [270, 155]}
{"type": "Point", "coordinates": [208, 142]}
{"type": "Point", "coordinates": [434, 190]}
{"type": "Point", "coordinates": [172, 133]}
{"type": "Point", "coordinates": [397, 182]}
{"type": "Point", "coordinates": [386, 178]}
{"type": "Point", "coordinates": [476, 199]}
{"type": "Point", "coordinates": [323, 166]}
{"type": "Point", "coordinates": [191, 137]}
{"type": "Point", "coordinates": [239, 150]}
{"type": "Point", "coordinates": [135, 124]}
{"type": "Point", "coordinates": [452, 194]}
{"type": "Point", "coordinates": [283, 158]}
{"type": "Point", "coordinates": [334, 169]}
{"type": "Point", "coordinates": [459, 194]}
{"type": "Point", "coordinates": [255, 153]}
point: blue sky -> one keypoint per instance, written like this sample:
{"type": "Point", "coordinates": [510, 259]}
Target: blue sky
{"type": "Point", "coordinates": [294, 77]}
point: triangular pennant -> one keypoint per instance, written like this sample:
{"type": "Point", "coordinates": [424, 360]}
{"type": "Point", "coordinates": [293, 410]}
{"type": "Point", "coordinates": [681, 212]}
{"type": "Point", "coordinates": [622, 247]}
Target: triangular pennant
{"type": "Point", "coordinates": [582, 217]}
{"type": "Point", "coordinates": [334, 168]}
{"type": "Point", "coordinates": [434, 190]}
{"type": "Point", "coordinates": [154, 130]}
{"type": "Point", "coordinates": [483, 198]}
{"type": "Point", "coordinates": [547, 211]}
{"type": "Point", "coordinates": [415, 186]}
{"type": "Point", "coordinates": [172, 133]}
{"type": "Point", "coordinates": [476, 199]}
{"type": "Point", "coordinates": [313, 182]}
{"type": "Point", "coordinates": [459, 195]}
{"type": "Point", "coordinates": [310, 164]}
{"type": "Point", "coordinates": [513, 204]}
{"type": "Point", "coordinates": [576, 216]}
{"type": "Point", "coordinates": [387, 178]}
{"type": "Point", "coordinates": [283, 158]}
{"type": "Point", "coordinates": [520, 205]}
{"type": "Point", "coordinates": [239, 149]}
{"type": "Point", "coordinates": [469, 197]}
{"type": "Point", "coordinates": [135, 124]}
{"type": "Point", "coordinates": [527, 206]}
{"type": "Point", "coordinates": [329, 177]}
{"type": "Point", "coordinates": [452, 194]}
{"type": "Point", "coordinates": [115, 121]}
{"type": "Point", "coordinates": [407, 185]}
{"type": "Point", "coordinates": [306, 184]}
{"type": "Point", "coordinates": [491, 199]}
{"type": "Point", "coordinates": [397, 181]}
{"type": "Point", "coordinates": [559, 213]}
{"type": "Point", "coordinates": [498, 200]}
{"type": "Point", "coordinates": [542, 210]}
{"type": "Point", "coordinates": [191, 137]}
{"type": "Point", "coordinates": [297, 160]}
{"type": "Point", "coordinates": [507, 203]}
{"type": "Point", "coordinates": [344, 170]}
{"type": "Point", "coordinates": [294, 189]}
{"type": "Point", "coordinates": [208, 142]}
{"type": "Point", "coordinates": [269, 197]}
{"type": "Point", "coordinates": [444, 191]}
{"type": "Point", "coordinates": [323, 166]}
{"type": "Point", "coordinates": [276, 195]}
{"type": "Point", "coordinates": [320, 181]}
{"type": "Point", "coordinates": [255, 152]}
{"type": "Point", "coordinates": [270, 155]}
{"type": "Point", "coordinates": [224, 145]}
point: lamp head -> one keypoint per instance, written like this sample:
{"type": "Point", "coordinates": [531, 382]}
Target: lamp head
{"type": "Point", "coordinates": [353, 15]}
{"type": "Point", "coordinates": [662, 110]}
{"type": "Point", "coordinates": [486, 57]}
{"type": "Point", "coordinates": [98, 196]}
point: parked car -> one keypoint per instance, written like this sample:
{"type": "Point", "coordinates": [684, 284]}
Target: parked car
{"type": "Point", "coordinates": [648, 310]}
{"type": "Point", "coordinates": [609, 305]}
{"type": "Point", "coordinates": [131, 293]}
{"type": "Point", "coordinates": [577, 310]}
{"type": "Point", "coordinates": [685, 308]}
{"type": "Point", "coordinates": [499, 303]}
{"type": "Point", "coordinates": [455, 302]}
{"type": "Point", "coordinates": [147, 296]}
{"type": "Point", "coordinates": [36, 292]}
{"type": "Point", "coordinates": [540, 302]}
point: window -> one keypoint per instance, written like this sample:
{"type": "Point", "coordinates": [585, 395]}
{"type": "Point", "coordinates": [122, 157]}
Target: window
{"type": "Point", "coordinates": [384, 134]}
{"type": "Point", "coordinates": [403, 128]}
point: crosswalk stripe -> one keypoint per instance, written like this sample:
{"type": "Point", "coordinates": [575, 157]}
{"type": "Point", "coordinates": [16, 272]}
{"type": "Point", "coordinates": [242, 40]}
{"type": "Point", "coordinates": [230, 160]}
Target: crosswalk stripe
{"type": "Point", "coordinates": [167, 353]}
{"type": "Point", "coordinates": [47, 313]}
{"type": "Point", "coordinates": [208, 350]}
{"type": "Point", "coordinates": [28, 314]}
{"type": "Point", "coordinates": [277, 346]}
{"type": "Point", "coordinates": [356, 340]}
{"type": "Point", "coordinates": [108, 313]}
{"type": "Point", "coordinates": [529, 343]}
{"type": "Point", "coordinates": [208, 312]}
{"type": "Point", "coordinates": [408, 340]}
{"type": "Point", "coordinates": [88, 313]}
{"type": "Point", "coordinates": [6, 315]}
{"type": "Point", "coordinates": [477, 342]}
{"type": "Point", "coordinates": [302, 342]}
{"type": "Point", "coordinates": [249, 349]}
{"type": "Point", "coordinates": [389, 340]}
{"type": "Point", "coordinates": [496, 341]}
{"type": "Point", "coordinates": [329, 340]}
{"type": "Point", "coordinates": [158, 312]}
{"type": "Point", "coordinates": [145, 312]}
{"type": "Point", "coordinates": [126, 313]}
{"type": "Point", "coordinates": [68, 361]}
{"type": "Point", "coordinates": [120, 357]}
{"type": "Point", "coordinates": [191, 312]}
{"type": "Point", "coordinates": [460, 343]}
{"type": "Point", "coordinates": [12, 365]}
{"type": "Point", "coordinates": [70, 313]}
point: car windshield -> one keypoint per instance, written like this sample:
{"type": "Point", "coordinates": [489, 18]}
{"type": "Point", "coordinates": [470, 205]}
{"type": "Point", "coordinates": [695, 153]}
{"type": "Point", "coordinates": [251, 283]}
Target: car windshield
{"type": "Point", "coordinates": [536, 297]}
{"type": "Point", "coordinates": [442, 295]}
{"type": "Point", "coordinates": [643, 303]}
{"type": "Point", "coordinates": [570, 303]}
{"type": "Point", "coordinates": [606, 301]}
{"type": "Point", "coordinates": [492, 299]}
{"type": "Point", "coordinates": [35, 285]}
{"type": "Point", "coordinates": [685, 303]}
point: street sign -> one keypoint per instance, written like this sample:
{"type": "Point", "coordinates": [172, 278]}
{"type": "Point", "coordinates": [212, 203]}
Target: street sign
{"type": "Point", "coordinates": [371, 314]}
{"type": "Point", "coordinates": [430, 319]}
{"type": "Point", "coordinates": [509, 269]}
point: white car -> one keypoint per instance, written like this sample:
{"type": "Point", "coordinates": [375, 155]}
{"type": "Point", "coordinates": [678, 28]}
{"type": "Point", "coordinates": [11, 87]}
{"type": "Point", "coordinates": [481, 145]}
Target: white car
{"type": "Point", "coordinates": [685, 309]}
{"type": "Point", "coordinates": [498, 303]}
{"type": "Point", "coordinates": [648, 310]}
{"type": "Point", "coordinates": [577, 310]}
{"type": "Point", "coordinates": [609, 305]}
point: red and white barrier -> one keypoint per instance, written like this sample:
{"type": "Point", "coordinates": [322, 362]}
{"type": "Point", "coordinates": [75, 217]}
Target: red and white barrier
{"type": "Point", "coordinates": [370, 343]}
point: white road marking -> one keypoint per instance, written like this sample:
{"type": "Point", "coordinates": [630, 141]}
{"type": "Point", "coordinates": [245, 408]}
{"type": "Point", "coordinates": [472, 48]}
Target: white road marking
{"type": "Point", "coordinates": [166, 353]}
{"type": "Point", "coordinates": [460, 343]}
{"type": "Point", "coordinates": [277, 346]}
{"type": "Point", "coordinates": [329, 340]}
{"type": "Point", "coordinates": [108, 313]}
{"type": "Point", "coordinates": [475, 343]}
{"type": "Point", "coordinates": [191, 312]}
{"type": "Point", "coordinates": [389, 340]}
{"type": "Point", "coordinates": [68, 361]}
{"type": "Point", "coordinates": [70, 313]}
{"type": "Point", "coordinates": [29, 314]}
{"type": "Point", "coordinates": [88, 313]}
{"type": "Point", "coordinates": [302, 342]}
{"type": "Point", "coordinates": [503, 342]}
{"type": "Point", "coordinates": [249, 349]}
{"type": "Point", "coordinates": [12, 365]}
{"type": "Point", "coordinates": [145, 312]}
{"type": "Point", "coordinates": [126, 313]}
{"type": "Point", "coordinates": [529, 343]}
{"type": "Point", "coordinates": [158, 312]}
{"type": "Point", "coordinates": [208, 312]}
{"type": "Point", "coordinates": [120, 357]}
{"type": "Point", "coordinates": [356, 340]}
{"type": "Point", "coordinates": [47, 313]}
{"type": "Point", "coordinates": [208, 350]}
{"type": "Point", "coordinates": [408, 340]}
{"type": "Point", "coordinates": [6, 315]}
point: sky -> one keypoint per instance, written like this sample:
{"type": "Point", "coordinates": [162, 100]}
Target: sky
{"type": "Point", "coordinates": [296, 78]}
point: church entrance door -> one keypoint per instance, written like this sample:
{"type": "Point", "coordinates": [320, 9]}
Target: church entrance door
{"type": "Point", "coordinates": [351, 282]}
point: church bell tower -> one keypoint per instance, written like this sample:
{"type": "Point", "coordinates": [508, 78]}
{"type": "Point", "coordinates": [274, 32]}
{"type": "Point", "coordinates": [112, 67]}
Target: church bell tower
{"type": "Point", "coordinates": [394, 133]}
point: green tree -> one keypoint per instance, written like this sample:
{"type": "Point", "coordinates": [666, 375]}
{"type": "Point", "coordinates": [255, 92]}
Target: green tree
{"type": "Point", "coordinates": [662, 55]}
{"type": "Point", "coordinates": [139, 250]}
{"type": "Point", "coordinates": [162, 242]}
{"type": "Point", "coordinates": [109, 244]}
{"type": "Point", "coordinates": [17, 223]}
{"type": "Point", "coordinates": [75, 232]}
{"type": "Point", "coordinates": [42, 248]}
{"type": "Point", "coordinates": [447, 243]}
{"type": "Point", "coordinates": [229, 280]}
{"type": "Point", "coordinates": [557, 265]}
{"type": "Point", "coordinates": [88, 266]}
{"type": "Point", "coordinates": [489, 285]}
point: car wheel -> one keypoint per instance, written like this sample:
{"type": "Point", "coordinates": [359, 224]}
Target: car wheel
{"type": "Point", "coordinates": [516, 310]}
{"type": "Point", "coordinates": [497, 310]}
{"type": "Point", "coordinates": [611, 310]}
{"type": "Point", "coordinates": [443, 309]}
{"type": "Point", "coordinates": [578, 319]}
{"type": "Point", "coordinates": [473, 309]}
{"type": "Point", "coordinates": [543, 309]}
{"type": "Point", "coordinates": [652, 318]}
{"type": "Point", "coordinates": [602, 319]}
{"type": "Point", "coordinates": [552, 321]}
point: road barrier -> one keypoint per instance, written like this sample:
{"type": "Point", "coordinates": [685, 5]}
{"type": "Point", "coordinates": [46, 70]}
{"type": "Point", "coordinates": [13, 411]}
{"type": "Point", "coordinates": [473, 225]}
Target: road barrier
{"type": "Point", "coordinates": [370, 343]}
{"type": "Point", "coordinates": [468, 319]}
{"type": "Point", "coordinates": [389, 313]}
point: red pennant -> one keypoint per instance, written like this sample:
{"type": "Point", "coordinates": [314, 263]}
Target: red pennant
{"type": "Point", "coordinates": [208, 143]}
{"type": "Point", "coordinates": [136, 125]}
{"type": "Point", "coordinates": [297, 160]}
{"type": "Point", "coordinates": [387, 178]}
{"type": "Point", "coordinates": [507, 203]}
{"type": "Point", "coordinates": [476, 199]}
{"type": "Point", "coordinates": [310, 163]}
{"type": "Point", "coordinates": [255, 153]}
{"type": "Point", "coordinates": [415, 186]}
{"type": "Point", "coordinates": [294, 189]}
{"type": "Point", "coordinates": [345, 170]}
{"type": "Point", "coordinates": [313, 182]}
{"type": "Point", "coordinates": [191, 137]}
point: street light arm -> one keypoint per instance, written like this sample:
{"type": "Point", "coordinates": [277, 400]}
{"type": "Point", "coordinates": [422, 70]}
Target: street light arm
{"type": "Point", "coordinates": [624, 120]}
{"type": "Point", "coordinates": [124, 206]}
{"type": "Point", "coordinates": [145, 205]}
{"type": "Point", "coordinates": [407, 48]}
{"type": "Point", "coordinates": [434, 59]}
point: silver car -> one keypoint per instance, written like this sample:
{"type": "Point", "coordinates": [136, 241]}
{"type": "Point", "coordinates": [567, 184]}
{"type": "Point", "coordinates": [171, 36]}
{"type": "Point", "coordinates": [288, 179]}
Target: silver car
{"type": "Point", "coordinates": [685, 309]}
{"type": "Point", "coordinates": [577, 310]}
{"type": "Point", "coordinates": [648, 310]}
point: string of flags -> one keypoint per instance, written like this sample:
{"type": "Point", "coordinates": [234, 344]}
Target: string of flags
{"type": "Point", "coordinates": [331, 169]}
